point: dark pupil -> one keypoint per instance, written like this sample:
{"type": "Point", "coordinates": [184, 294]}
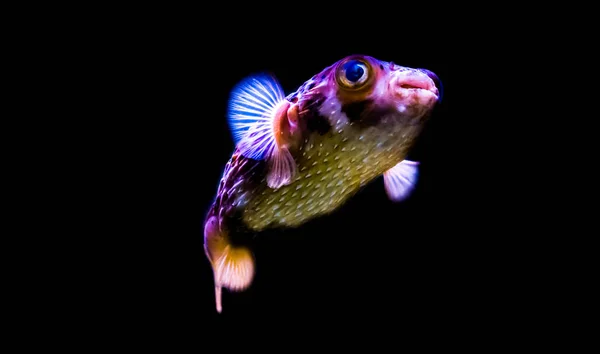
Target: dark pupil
{"type": "Point", "coordinates": [354, 71]}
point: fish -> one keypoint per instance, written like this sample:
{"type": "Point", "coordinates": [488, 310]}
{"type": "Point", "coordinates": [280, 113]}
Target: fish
{"type": "Point", "coordinates": [303, 155]}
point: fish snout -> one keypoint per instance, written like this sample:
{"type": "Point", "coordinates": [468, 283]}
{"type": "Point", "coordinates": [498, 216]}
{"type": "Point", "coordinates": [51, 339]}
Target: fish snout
{"type": "Point", "coordinates": [436, 81]}
{"type": "Point", "coordinates": [414, 81]}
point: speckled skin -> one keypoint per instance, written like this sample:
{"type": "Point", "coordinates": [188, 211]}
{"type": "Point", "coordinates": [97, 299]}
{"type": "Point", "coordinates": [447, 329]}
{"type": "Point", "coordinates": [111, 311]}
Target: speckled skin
{"type": "Point", "coordinates": [337, 155]}
{"type": "Point", "coordinates": [340, 136]}
{"type": "Point", "coordinates": [331, 168]}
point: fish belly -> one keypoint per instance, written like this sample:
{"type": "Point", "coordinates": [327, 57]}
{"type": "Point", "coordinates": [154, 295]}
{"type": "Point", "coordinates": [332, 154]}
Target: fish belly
{"type": "Point", "coordinates": [331, 168]}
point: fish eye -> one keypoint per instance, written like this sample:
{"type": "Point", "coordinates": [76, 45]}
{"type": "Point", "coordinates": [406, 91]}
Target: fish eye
{"type": "Point", "coordinates": [353, 74]}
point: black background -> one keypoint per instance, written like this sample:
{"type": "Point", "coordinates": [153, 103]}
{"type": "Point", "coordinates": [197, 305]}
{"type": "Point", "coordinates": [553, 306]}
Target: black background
{"type": "Point", "coordinates": [436, 263]}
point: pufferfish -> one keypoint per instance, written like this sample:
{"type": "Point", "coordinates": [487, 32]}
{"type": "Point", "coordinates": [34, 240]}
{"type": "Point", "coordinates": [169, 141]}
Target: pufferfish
{"type": "Point", "coordinates": [302, 156]}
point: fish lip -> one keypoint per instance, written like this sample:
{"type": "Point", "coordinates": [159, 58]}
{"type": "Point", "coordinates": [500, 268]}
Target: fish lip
{"type": "Point", "coordinates": [403, 89]}
{"type": "Point", "coordinates": [416, 82]}
{"type": "Point", "coordinates": [437, 83]}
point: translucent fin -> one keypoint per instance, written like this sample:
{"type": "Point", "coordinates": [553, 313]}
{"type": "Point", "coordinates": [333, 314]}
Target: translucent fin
{"type": "Point", "coordinates": [400, 180]}
{"type": "Point", "coordinates": [233, 268]}
{"type": "Point", "coordinates": [252, 106]}
{"type": "Point", "coordinates": [282, 168]}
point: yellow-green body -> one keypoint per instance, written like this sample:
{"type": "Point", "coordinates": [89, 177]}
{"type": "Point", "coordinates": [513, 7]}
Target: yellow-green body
{"type": "Point", "coordinates": [331, 168]}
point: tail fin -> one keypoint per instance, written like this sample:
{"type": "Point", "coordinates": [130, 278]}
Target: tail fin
{"type": "Point", "coordinates": [233, 267]}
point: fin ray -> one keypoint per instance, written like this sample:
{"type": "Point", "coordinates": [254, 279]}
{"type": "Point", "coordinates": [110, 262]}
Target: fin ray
{"type": "Point", "coordinates": [400, 180]}
{"type": "Point", "coordinates": [282, 168]}
{"type": "Point", "coordinates": [234, 270]}
{"type": "Point", "coordinates": [251, 107]}
{"type": "Point", "coordinates": [257, 112]}
{"type": "Point", "coordinates": [233, 267]}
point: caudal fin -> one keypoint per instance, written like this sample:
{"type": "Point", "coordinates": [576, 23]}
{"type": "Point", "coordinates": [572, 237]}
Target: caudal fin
{"type": "Point", "coordinates": [233, 267]}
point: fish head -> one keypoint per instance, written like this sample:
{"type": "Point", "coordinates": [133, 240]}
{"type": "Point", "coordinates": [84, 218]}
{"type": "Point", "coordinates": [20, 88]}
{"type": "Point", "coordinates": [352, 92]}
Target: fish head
{"type": "Point", "coordinates": [364, 90]}
{"type": "Point", "coordinates": [360, 79]}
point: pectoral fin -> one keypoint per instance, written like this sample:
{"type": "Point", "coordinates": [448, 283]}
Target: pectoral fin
{"type": "Point", "coordinates": [259, 122]}
{"type": "Point", "coordinates": [400, 180]}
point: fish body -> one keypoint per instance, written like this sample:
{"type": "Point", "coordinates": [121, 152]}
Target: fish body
{"type": "Point", "coordinates": [303, 155]}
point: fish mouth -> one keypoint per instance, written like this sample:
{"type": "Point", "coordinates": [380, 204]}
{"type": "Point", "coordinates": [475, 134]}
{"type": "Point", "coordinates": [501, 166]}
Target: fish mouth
{"type": "Point", "coordinates": [420, 81]}
{"type": "Point", "coordinates": [437, 83]}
